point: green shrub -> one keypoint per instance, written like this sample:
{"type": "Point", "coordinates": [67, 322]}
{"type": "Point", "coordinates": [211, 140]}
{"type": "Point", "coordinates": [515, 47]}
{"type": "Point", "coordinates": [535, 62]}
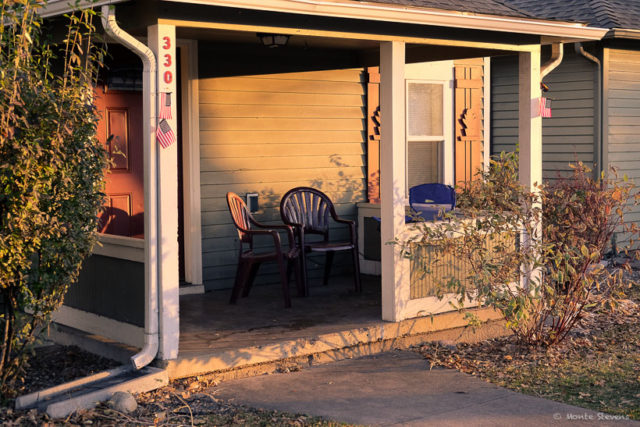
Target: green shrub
{"type": "Point", "coordinates": [51, 174]}
{"type": "Point", "coordinates": [532, 255]}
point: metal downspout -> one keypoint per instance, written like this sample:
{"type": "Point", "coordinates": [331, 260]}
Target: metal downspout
{"type": "Point", "coordinates": [599, 167]}
{"type": "Point", "coordinates": [557, 53]}
{"type": "Point", "coordinates": [151, 335]}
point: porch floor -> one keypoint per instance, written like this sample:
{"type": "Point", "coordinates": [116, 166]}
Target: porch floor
{"type": "Point", "coordinates": [208, 323]}
{"type": "Point", "coordinates": [217, 336]}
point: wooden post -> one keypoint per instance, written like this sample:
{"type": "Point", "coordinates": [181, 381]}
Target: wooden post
{"type": "Point", "coordinates": [162, 41]}
{"type": "Point", "coordinates": [529, 133]}
{"type": "Point", "coordinates": [394, 269]}
{"type": "Point", "coordinates": [530, 122]}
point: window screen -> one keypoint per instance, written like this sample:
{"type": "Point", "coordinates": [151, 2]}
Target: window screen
{"type": "Point", "coordinates": [425, 109]}
{"type": "Point", "coordinates": [424, 132]}
{"type": "Point", "coordinates": [423, 162]}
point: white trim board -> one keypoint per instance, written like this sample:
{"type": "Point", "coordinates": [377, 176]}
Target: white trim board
{"type": "Point", "coordinates": [191, 161]}
{"type": "Point", "coordinates": [415, 15]}
{"type": "Point", "coordinates": [115, 330]}
{"type": "Point", "coordinates": [487, 113]}
{"type": "Point", "coordinates": [120, 247]}
{"type": "Point", "coordinates": [59, 7]}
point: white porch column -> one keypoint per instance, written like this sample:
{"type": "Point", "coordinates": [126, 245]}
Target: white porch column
{"type": "Point", "coordinates": [162, 41]}
{"type": "Point", "coordinates": [394, 269]}
{"type": "Point", "coordinates": [530, 122]}
{"type": "Point", "coordinates": [529, 130]}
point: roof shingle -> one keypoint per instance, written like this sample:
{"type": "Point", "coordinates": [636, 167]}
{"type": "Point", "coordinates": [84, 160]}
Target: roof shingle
{"type": "Point", "coordinates": [598, 13]}
{"type": "Point", "coordinates": [485, 7]}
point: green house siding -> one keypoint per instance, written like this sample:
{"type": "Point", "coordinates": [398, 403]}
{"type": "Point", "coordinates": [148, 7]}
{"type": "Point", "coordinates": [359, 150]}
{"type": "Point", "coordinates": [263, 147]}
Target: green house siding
{"type": "Point", "coordinates": [269, 121]}
{"type": "Point", "coordinates": [622, 114]}
{"type": "Point", "coordinates": [569, 134]}
{"type": "Point", "coordinates": [110, 287]}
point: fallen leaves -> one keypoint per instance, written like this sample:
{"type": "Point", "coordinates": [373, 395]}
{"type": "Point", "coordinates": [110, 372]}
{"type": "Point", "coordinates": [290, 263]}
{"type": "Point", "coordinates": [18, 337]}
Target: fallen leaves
{"type": "Point", "coordinates": [596, 366]}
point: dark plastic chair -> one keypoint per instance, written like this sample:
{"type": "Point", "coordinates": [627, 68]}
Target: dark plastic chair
{"type": "Point", "coordinates": [308, 210]}
{"type": "Point", "coordinates": [249, 261]}
{"type": "Point", "coordinates": [430, 199]}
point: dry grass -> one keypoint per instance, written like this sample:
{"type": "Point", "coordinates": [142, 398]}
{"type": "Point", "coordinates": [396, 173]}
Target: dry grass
{"type": "Point", "coordinates": [597, 367]}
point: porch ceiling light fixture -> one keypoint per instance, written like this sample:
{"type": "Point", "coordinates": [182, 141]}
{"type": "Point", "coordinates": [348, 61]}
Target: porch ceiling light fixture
{"type": "Point", "coordinates": [273, 40]}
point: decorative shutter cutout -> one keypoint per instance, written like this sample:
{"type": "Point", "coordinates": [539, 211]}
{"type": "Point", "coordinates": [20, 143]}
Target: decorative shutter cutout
{"type": "Point", "coordinates": [373, 135]}
{"type": "Point", "coordinates": [469, 141]}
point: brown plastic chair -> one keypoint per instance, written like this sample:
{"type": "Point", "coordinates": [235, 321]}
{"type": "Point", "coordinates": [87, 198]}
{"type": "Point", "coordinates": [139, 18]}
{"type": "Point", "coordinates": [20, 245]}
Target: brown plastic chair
{"type": "Point", "coordinates": [249, 261]}
{"type": "Point", "coordinates": [308, 210]}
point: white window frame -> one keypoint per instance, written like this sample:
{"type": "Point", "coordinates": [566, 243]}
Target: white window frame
{"type": "Point", "coordinates": [424, 138]}
{"type": "Point", "coordinates": [440, 72]}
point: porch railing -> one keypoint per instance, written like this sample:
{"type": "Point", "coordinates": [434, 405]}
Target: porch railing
{"type": "Point", "coordinates": [431, 267]}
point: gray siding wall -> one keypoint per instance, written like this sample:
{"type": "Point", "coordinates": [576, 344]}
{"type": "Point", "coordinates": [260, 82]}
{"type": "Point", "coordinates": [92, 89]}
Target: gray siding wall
{"type": "Point", "coordinates": [622, 112]}
{"type": "Point", "coordinates": [268, 125]}
{"type": "Point", "coordinates": [569, 134]}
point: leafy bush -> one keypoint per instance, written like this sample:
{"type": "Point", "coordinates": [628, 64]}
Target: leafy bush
{"type": "Point", "coordinates": [533, 256]}
{"type": "Point", "coordinates": [51, 174]}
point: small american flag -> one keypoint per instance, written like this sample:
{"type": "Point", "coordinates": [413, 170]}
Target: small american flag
{"type": "Point", "coordinates": [165, 134]}
{"type": "Point", "coordinates": [165, 105]}
{"type": "Point", "coordinates": [545, 107]}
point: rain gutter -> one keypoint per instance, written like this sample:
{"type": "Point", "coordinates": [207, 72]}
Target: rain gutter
{"type": "Point", "coordinates": [413, 15]}
{"type": "Point", "coordinates": [557, 53]}
{"type": "Point", "coordinates": [59, 7]}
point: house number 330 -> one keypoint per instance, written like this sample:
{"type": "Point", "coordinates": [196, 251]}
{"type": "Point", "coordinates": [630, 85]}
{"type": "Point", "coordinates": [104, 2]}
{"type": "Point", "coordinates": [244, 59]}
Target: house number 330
{"type": "Point", "coordinates": [168, 76]}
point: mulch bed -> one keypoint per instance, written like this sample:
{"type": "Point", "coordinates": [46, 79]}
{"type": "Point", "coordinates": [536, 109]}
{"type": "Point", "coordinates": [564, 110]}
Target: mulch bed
{"type": "Point", "coordinates": [56, 364]}
{"type": "Point", "coordinates": [596, 367]}
{"type": "Point", "coordinates": [184, 402]}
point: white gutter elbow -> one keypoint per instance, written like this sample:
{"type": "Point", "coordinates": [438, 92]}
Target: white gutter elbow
{"type": "Point", "coordinates": [557, 53]}
{"type": "Point", "coordinates": [151, 335]}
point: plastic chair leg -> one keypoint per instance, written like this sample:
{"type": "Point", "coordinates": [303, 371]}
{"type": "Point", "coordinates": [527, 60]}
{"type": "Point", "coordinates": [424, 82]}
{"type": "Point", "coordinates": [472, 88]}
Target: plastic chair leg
{"type": "Point", "coordinates": [327, 267]}
{"type": "Point", "coordinates": [253, 271]}
{"type": "Point", "coordinates": [285, 283]}
{"type": "Point", "coordinates": [356, 270]}
{"type": "Point", "coordinates": [239, 282]}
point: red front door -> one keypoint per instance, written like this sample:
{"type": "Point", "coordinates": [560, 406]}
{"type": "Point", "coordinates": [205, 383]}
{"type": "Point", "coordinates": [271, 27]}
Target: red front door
{"type": "Point", "coordinates": [120, 130]}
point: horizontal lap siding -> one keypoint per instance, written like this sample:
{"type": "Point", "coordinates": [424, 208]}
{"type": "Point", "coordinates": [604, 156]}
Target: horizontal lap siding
{"type": "Point", "coordinates": [109, 287]}
{"type": "Point", "coordinates": [268, 133]}
{"type": "Point", "coordinates": [623, 114]}
{"type": "Point", "coordinates": [623, 110]}
{"type": "Point", "coordinates": [567, 136]}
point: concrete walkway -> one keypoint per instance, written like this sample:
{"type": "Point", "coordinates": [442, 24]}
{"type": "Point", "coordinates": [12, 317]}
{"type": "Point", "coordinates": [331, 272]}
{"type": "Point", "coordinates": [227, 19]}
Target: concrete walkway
{"type": "Point", "coordinates": [398, 389]}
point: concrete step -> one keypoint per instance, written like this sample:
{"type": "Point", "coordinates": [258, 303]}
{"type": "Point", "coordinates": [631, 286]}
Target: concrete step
{"type": "Point", "coordinates": [85, 393]}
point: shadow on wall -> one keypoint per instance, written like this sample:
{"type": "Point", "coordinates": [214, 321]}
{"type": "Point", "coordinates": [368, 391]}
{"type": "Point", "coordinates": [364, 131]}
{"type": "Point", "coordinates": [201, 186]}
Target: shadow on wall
{"type": "Point", "coordinates": [272, 120]}
{"type": "Point", "coordinates": [260, 60]}
{"type": "Point", "coordinates": [344, 193]}
{"type": "Point", "coordinates": [120, 223]}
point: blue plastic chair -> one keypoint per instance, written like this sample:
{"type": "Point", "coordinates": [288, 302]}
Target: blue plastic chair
{"type": "Point", "coordinates": [429, 200]}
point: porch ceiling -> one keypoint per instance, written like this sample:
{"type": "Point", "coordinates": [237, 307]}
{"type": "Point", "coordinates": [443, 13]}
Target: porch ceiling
{"type": "Point", "coordinates": [235, 24]}
{"type": "Point", "coordinates": [250, 38]}
{"type": "Point", "coordinates": [368, 49]}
